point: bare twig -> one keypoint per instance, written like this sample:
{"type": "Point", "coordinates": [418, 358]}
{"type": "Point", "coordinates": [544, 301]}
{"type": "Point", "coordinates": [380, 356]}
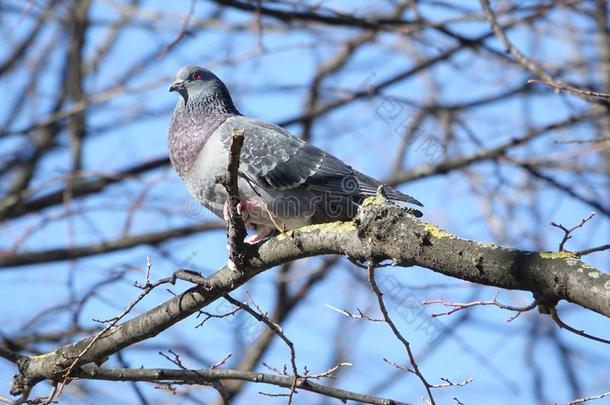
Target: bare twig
{"type": "Point", "coordinates": [204, 376]}
{"type": "Point", "coordinates": [236, 230]}
{"type": "Point", "coordinates": [147, 288]}
{"type": "Point", "coordinates": [328, 373]}
{"type": "Point", "coordinates": [65, 253]}
{"type": "Point", "coordinates": [209, 316]}
{"type": "Point", "coordinates": [582, 333]}
{"type": "Point", "coordinates": [589, 398]}
{"type": "Point", "coordinates": [568, 231]}
{"type": "Point", "coordinates": [286, 304]}
{"type": "Point", "coordinates": [571, 89]}
{"type": "Point", "coordinates": [520, 57]}
{"type": "Point", "coordinates": [277, 329]}
{"type": "Point", "coordinates": [183, 31]}
{"type": "Point", "coordinates": [221, 362]}
{"type": "Point", "coordinates": [217, 384]}
{"type": "Point", "coordinates": [388, 320]}
{"type": "Point", "coordinates": [457, 306]}
{"type": "Point", "coordinates": [529, 64]}
{"type": "Point", "coordinates": [565, 188]}
{"type": "Point", "coordinates": [360, 315]}
{"type": "Point", "coordinates": [449, 383]}
{"type": "Point", "coordinates": [592, 250]}
{"type": "Point", "coordinates": [585, 141]}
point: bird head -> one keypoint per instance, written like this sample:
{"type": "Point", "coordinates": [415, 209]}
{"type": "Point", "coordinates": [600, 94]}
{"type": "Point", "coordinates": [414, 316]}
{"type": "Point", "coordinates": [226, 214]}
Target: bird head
{"type": "Point", "coordinates": [195, 82]}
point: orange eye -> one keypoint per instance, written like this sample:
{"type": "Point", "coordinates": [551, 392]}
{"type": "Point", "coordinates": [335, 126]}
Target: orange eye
{"type": "Point", "coordinates": [197, 76]}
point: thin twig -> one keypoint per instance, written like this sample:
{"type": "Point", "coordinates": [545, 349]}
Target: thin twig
{"type": "Point", "coordinates": [236, 230]}
{"type": "Point", "coordinates": [277, 329]}
{"type": "Point", "coordinates": [204, 376]}
{"type": "Point", "coordinates": [360, 315]}
{"type": "Point", "coordinates": [529, 64]}
{"type": "Point", "coordinates": [458, 306]}
{"type": "Point", "coordinates": [591, 398]}
{"type": "Point", "coordinates": [563, 325]}
{"type": "Point", "coordinates": [147, 288]}
{"type": "Point", "coordinates": [457, 401]}
{"type": "Point", "coordinates": [328, 373]}
{"type": "Point", "coordinates": [449, 383]}
{"type": "Point", "coordinates": [520, 57]}
{"type": "Point", "coordinates": [215, 384]}
{"type": "Point", "coordinates": [572, 89]}
{"type": "Point", "coordinates": [592, 250]}
{"type": "Point", "coordinates": [568, 231]}
{"type": "Point", "coordinates": [209, 316]}
{"type": "Point", "coordinates": [183, 31]}
{"type": "Point", "coordinates": [388, 320]}
{"type": "Point", "coordinates": [221, 362]}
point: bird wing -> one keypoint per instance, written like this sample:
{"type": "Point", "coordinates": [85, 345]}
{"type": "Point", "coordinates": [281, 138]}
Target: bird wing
{"type": "Point", "coordinates": [278, 160]}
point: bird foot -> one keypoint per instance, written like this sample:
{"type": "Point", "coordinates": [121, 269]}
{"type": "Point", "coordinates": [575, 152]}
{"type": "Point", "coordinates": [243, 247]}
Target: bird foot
{"type": "Point", "coordinates": [244, 207]}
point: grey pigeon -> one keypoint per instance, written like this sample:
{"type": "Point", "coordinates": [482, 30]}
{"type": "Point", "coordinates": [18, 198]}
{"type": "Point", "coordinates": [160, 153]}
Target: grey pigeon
{"type": "Point", "coordinates": [283, 181]}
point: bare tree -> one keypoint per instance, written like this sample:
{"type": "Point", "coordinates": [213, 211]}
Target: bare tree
{"type": "Point", "coordinates": [494, 114]}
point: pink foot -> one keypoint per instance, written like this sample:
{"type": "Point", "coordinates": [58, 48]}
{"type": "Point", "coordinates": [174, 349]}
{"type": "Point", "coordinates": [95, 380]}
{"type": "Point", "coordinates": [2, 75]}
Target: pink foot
{"type": "Point", "coordinates": [243, 209]}
{"type": "Point", "coordinates": [247, 206]}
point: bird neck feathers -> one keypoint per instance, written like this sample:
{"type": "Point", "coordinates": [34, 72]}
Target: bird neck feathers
{"type": "Point", "coordinates": [192, 124]}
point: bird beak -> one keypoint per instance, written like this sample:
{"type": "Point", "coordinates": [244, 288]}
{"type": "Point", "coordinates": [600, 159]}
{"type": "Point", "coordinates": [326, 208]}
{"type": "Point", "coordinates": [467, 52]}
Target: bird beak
{"type": "Point", "coordinates": [178, 86]}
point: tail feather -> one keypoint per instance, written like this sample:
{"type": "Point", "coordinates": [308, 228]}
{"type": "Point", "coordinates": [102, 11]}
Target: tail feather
{"type": "Point", "coordinates": [358, 186]}
{"type": "Point", "coordinates": [369, 186]}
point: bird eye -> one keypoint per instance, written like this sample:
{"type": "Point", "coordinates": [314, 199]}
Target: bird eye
{"type": "Point", "coordinates": [197, 76]}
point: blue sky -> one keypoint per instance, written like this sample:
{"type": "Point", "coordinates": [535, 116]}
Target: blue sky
{"type": "Point", "coordinates": [272, 85]}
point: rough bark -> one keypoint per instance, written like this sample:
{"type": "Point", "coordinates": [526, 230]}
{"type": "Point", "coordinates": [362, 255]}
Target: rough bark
{"type": "Point", "coordinates": [380, 232]}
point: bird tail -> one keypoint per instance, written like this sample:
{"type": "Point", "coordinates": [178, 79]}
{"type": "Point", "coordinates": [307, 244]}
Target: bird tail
{"type": "Point", "coordinates": [402, 200]}
{"type": "Point", "coordinates": [367, 187]}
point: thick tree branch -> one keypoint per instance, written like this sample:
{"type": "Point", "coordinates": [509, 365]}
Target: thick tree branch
{"type": "Point", "coordinates": [334, 19]}
{"type": "Point", "coordinates": [11, 260]}
{"type": "Point", "coordinates": [73, 130]}
{"type": "Point", "coordinates": [447, 166]}
{"type": "Point", "coordinates": [10, 355]}
{"type": "Point", "coordinates": [379, 233]}
{"type": "Point", "coordinates": [205, 376]}
{"type": "Point", "coordinates": [11, 208]}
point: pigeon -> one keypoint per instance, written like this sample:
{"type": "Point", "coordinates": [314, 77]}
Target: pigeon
{"type": "Point", "coordinates": [284, 182]}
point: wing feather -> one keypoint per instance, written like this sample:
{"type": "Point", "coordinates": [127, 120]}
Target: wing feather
{"type": "Point", "coordinates": [275, 159]}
